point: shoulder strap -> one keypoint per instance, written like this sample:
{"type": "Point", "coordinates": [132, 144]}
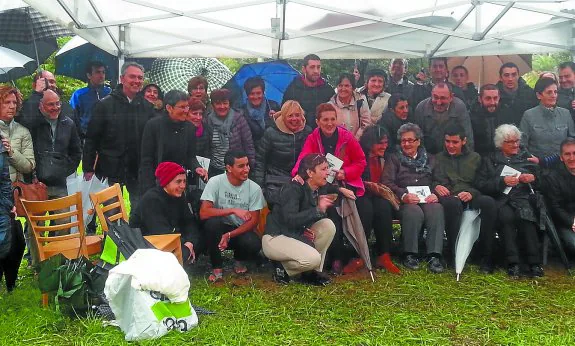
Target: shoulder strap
{"type": "Point", "coordinates": [358, 105]}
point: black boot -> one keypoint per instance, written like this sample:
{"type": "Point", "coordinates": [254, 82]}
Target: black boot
{"type": "Point", "coordinates": [279, 274]}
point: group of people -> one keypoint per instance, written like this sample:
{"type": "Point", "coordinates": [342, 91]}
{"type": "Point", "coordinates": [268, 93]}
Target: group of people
{"type": "Point", "coordinates": [418, 152]}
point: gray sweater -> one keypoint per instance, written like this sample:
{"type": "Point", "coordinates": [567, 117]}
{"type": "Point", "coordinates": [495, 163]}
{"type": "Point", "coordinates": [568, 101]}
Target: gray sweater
{"type": "Point", "coordinates": [544, 129]}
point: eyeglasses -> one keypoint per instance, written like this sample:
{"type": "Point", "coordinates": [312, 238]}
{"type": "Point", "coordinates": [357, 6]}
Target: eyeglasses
{"type": "Point", "coordinates": [512, 142]}
{"type": "Point", "coordinates": [53, 104]}
{"type": "Point", "coordinates": [184, 108]}
{"type": "Point", "coordinates": [197, 113]}
{"type": "Point", "coordinates": [409, 140]}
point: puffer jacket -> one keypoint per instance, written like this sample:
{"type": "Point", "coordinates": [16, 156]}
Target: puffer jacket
{"type": "Point", "coordinates": [240, 137]}
{"type": "Point", "coordinates": [524, 99]}
{"type": "Point", "coordinates": [347, 149]}
{"type": "Point", "coordinates": [489, 181]}
{"type": "Point", "coordinates": [434, 132]}
{"type": "Point", "coordinates": [398, 177]}
{"type": "Point", "coordinates": [559, 189]}
{"type": "Point", "coordinates": [277, 153]}
{"type": "Point", "coordinates": [308, 97]}
{"type": "Point", "coordinates": [114, 135]}
{"type": "Point", "coordinates": [456, 173]}
{"type": "Point", "coordinates": [22, 160]}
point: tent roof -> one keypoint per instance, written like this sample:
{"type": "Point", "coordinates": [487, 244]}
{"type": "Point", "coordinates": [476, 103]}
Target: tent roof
{"type": "Point", "coordinates": [329, 28]}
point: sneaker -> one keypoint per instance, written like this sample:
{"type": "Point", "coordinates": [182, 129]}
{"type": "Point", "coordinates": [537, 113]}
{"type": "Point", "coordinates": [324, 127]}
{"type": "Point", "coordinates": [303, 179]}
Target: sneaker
{"type": "Point", "coordinates": [354, 265]}
{"type": "Point", "coordinates": [411, 262]}
{"type": "Point", "coordinates": [514, 271]}
{"type": "Point", "coordinates": [486, 266]}
{"type": "Point", "coordinates": [279, 275]}
{"type": "Point", "coordinates": [314, 278]}
{"type": "Point", "coordinates": [536, 271]}
{"type": "Point", "coordinates": [384, 261]}
{"type": "Point", "coordinates": [434, 265]}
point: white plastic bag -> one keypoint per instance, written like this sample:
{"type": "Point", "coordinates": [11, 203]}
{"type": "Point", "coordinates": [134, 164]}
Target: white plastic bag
{"type": "Point", "coordinates": [141, 311]}
{"type": "Point", "coordinates": [74, 183]}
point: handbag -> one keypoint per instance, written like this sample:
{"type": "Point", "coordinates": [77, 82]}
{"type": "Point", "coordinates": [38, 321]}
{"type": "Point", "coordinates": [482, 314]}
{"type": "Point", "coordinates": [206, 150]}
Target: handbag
{"type": "Point", "coordinates": [36, 191]}
{"type": "Point", "coordinates": [382, 191]}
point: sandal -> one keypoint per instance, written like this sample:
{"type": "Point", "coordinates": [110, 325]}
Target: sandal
{"type": "Point", "coordinates": [216, 276]}
{"type": "Point", "coordinates": [240, 268]}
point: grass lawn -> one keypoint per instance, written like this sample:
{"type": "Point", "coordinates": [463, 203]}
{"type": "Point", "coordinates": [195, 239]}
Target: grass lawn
{"type": "Point", "coordinates": [412, 309]}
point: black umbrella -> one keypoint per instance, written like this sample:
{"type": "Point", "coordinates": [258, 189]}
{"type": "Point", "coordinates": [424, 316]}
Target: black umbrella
{"type": "Point", "coordinates": [545, 223]}
{"type": "Point", "coordinates": [122, 241]}
{"type": "Point", "coordinates": [27, 31]}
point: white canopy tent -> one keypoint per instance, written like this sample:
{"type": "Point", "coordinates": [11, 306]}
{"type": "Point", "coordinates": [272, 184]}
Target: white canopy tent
{"type": "Point", "coordinates": [329, 28]}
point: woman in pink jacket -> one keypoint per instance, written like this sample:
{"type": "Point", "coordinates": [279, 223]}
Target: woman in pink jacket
{"type": "Point", "coordinates": [328, 138]}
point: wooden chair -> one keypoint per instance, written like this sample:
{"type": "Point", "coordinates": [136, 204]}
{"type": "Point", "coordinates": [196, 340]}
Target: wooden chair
{"type": "Point", "coordinates": [70, 245]}
{"type": "Point", "coordinates": [109, 200]}
{"type": "Point", "coordinates": [262, 224]}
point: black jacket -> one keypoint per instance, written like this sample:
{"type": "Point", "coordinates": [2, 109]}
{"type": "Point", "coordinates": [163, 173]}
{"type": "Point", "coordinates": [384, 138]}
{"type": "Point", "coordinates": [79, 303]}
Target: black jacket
{"type": "Point", "coordinates": [489, 181]}
{"type": "Point", "coordinates": [56, 156]}
{"type": "Point", "coordinates": [524, 99]}
{"type": "Point", "coordinates": [166, 140]}
{"type": "Point", "coordinates": [405, 88]}
{"type": "Point", "coordinates": [484, 125]}
{"type": "Point", "coordinates": [564, 99]}
{"type": "Point", "coordinates": [297, 211]}
{"type": "Point", "coordinates": [559, 189]}
{"type": "Point", "coordinates": [27, 116]}
{"type": "Point", "coordinates": [392, 123]}
{"type": "Point", "coordinates": [277, 153]}
{"type": "Point", "coordinates": [308, 98]}
{"type": "Point", "coordinates": [114, 135]}
{"type": "Point", "coordinates": [470, 95]}
{"type": "Point", "coordinates": [255, 127]}
{"type": "Point", "coordinates": [160, 213]}
{"type": "Point", "coordinates": [204, 142]}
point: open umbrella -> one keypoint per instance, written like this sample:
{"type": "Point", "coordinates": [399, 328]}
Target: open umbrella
{"type": "Point", "coordinates": [14, 65]}
{"type": "Point", "coordinates": [72, 58]}
{"type": "Point", "coordinates": [175, 73]}
{"type": "Point", "coordinates": [485, 69]}
{"type": "Point", "coordinates": [353, 230]}
{"type": "Point", "coordinates": [467, 236]}
{"type": "Point", "coordinates": [30, 33]}
{"type": "Point", "coordinates": [277, 76]}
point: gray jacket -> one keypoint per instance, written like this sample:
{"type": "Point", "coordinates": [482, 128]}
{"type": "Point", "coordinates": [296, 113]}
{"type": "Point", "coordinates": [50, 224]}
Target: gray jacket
{"type": "Point", "coordinates": [22, 160]}
{"type": "Point", "coordinates": [434, 131]}
{"type": "Point", "coordinates": [544, 129]}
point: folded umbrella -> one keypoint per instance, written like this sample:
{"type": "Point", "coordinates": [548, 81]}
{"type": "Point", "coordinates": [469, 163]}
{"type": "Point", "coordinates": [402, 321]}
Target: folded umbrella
{"type": "Point", "coordinates": [353, 230]}
{"type": "Point", "coordinates": [467, 236]}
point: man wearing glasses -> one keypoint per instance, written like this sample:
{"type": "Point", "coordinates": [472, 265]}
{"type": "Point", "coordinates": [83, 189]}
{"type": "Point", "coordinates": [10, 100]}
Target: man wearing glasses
{"type": "Point", "coordinates": [169, 137]}
{"type": "Point", "coordinates": [435, 113]}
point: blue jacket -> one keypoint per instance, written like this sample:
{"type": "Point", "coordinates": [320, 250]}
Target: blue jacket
{"type": "Point", "coordinates": [82, 101]}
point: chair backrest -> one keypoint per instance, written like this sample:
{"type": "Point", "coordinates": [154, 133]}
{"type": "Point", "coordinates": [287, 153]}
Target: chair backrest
{"type": "Point", "coordinates": [109, 204]}
{"type": "Point", "coordinates": [71, 245]}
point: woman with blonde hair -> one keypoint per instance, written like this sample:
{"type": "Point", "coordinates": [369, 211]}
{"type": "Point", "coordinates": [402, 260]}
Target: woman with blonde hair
{"type": "Point", "coordinates": [279, 150]}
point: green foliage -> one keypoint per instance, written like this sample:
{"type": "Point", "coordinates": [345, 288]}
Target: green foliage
{"type": "Point", "coordinates": [66, 84]}
{"type": "Point", "coordinates": [545, 63]}
{"type": "Point", "coordinates": [235, 64]}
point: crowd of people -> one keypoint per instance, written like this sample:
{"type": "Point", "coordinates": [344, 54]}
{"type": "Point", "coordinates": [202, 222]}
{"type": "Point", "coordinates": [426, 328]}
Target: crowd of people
{"type": "Point", "coordinates": [420, 153]}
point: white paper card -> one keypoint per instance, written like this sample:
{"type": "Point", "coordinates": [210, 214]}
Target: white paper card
{"type": "Point", "coordinates": [506, 172]}
{"type": "Point", "coordinates": [205, 163]}
{"type": "Point", "coordinates": [334, 166]}
{"type": "Point", "coordinates": [421, 191]}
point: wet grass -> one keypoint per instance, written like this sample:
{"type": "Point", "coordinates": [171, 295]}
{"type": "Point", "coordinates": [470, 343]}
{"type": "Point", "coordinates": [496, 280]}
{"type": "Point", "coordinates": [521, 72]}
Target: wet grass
{"type": "Point", "coordinates": [414, 308]}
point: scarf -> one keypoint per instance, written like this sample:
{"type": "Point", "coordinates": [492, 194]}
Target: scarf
{"type": "Point", "coordinates": [258, 114]}
{"type": "Point", "coordinates": [223, 127]}
{"type": "Point", "coordinates": [375, 168]}
{"type": "Point", "coordinates": [420, 164]}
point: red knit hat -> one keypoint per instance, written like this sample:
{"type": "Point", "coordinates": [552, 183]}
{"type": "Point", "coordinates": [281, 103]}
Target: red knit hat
{"type": "Point", "coordinates": [167, 171]}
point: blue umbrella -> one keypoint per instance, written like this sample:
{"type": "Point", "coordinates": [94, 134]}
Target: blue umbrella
{"type": "Point", "coordinates": [277, 75]}
{"type": "Point", "coordinates": [72, 58]}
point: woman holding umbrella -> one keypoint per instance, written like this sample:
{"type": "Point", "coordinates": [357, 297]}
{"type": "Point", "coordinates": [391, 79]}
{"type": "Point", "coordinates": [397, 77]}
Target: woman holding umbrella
{"type": "Point", "coordinates": [509, 175]}
{"type": "Point", "coordinates": [258, 110]}
{"type": "Point", "coordinates": [328, 138]}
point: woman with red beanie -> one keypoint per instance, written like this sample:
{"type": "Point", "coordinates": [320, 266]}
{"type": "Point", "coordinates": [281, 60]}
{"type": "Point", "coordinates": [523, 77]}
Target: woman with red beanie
{"type": "Point", "coordinates": [164, 209]}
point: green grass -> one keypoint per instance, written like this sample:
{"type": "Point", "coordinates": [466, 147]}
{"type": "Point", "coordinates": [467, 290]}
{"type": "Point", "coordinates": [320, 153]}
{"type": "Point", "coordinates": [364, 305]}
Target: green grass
{"type": "Point", "coordinates": [415, 308]}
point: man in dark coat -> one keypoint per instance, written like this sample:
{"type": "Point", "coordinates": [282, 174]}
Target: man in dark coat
{"type": "Point", "coordinates": [453, 176]}
{"type": "Point", "coordinates": [460, 77]}
{"type": "Point", "coordinates": [439, 74]}
{"type": "Point", "coordinates": [515, 95]}
{"type": "Point", "coordinates": [397, 83]}
{"type": "Point", "coordinates": [486, 116]}
{"type": "Point", "coordinates": [566, 94]}
{"type": "Point", "coordinates": [559, 188]}
{"type": "Point", "coordinates": [115, 131]}
{"type": "Point", "coordinates": [310, 89]}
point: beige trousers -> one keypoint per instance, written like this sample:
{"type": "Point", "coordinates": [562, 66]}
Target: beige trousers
{"type": "Point", "coordinates": [296, 256]}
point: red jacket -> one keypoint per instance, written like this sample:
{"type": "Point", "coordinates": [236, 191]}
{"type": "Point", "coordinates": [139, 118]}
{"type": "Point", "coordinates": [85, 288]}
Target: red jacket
{"type": "Point", "coordinates": [347, 149]}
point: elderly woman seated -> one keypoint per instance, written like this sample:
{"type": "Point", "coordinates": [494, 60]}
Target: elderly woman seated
{"type": "Point", "coordinates": [406, 171]}
{"type": "Point", "coordinates": [298, 232]}
{"type": "Point", "coordinates": [509, 175]}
